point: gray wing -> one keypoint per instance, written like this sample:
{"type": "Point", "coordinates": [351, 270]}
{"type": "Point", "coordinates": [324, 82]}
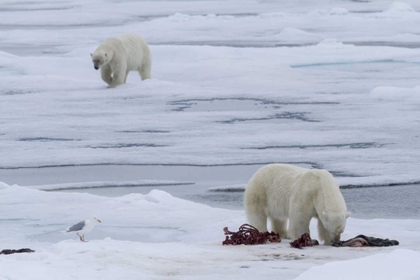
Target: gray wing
{"type": "Point", "coordinates": [77, 227]}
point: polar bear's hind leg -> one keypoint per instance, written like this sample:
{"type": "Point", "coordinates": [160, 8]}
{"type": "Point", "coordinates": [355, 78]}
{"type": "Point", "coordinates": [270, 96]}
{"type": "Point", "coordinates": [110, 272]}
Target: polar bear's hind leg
{"type": "Point", "coordinates": [257, 217]}
{"type": "Point", "coordinates": [126, 75]}
{"type": "Point", "coordinates": [146, 68]}
{"type": "Point", "coordinates": [279, 226]}
{"type": "Point", "coordinates": [145, 72]}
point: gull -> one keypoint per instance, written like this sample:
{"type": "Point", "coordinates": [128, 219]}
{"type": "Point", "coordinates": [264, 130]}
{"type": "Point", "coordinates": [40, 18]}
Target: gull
{"type": "Point", "coordinates": [84, 227]}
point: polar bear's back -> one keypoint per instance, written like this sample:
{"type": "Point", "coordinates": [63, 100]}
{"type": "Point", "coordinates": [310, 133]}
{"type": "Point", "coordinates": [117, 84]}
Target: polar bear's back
{"type": "Point", "coordinates": [276, 176]}
{"type": "Point", "coordinates": [271, 188]}
{"type": "Point", "coordinates": [274, 185]}
{"type": "Point", "coordinates": [137, 50]}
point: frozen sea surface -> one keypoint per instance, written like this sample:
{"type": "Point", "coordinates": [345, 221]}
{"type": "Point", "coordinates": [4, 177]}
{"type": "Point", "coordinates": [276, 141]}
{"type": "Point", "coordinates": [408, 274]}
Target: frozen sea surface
{"type": "Point", "coordinates": [236, 85]}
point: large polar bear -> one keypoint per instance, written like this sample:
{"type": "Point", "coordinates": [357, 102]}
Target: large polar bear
{"type": "Point", "coordinates": [280, 192]}
{"type": "Point", "coordinates": [118, 56]}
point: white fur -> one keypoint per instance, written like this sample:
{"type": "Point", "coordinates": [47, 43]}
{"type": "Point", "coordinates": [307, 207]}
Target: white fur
{"type": "Point", "coordinates": [118, 56]}
{"type": "Point", "coordinates": [280, 192]}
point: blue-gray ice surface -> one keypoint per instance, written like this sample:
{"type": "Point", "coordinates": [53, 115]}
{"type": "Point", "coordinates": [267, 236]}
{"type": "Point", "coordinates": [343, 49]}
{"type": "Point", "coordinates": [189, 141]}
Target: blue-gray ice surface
{"type": "Point", "coordinates": [333, 86]}
{"type": "Point", "coordinates": [324, 84]}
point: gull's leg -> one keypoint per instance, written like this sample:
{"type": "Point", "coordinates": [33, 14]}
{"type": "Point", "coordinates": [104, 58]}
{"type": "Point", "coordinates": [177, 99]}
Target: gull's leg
{"type": "Point", "coordinates": [84, 238]}
{"type": "Point", "coordinates": [81, 239]}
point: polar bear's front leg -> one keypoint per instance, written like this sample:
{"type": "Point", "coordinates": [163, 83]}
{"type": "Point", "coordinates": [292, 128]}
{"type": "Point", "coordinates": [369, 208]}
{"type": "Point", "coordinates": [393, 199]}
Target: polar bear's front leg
{"type": "Point", "coordinates": [298, 223]}
{"type": "Point", "coordinates": [323, 233]}
{"type": "Point", "coordinates": [146, 68]}
{"type": "Point", "coordinates": [118, 76]}
{"type": "Point", "coordinates": [106, 74]}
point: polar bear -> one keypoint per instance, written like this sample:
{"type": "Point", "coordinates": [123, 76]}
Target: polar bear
{"type": "Point", "coordinates": [118, 56]}
{"type": "Point", "coordinates": [280, 192]}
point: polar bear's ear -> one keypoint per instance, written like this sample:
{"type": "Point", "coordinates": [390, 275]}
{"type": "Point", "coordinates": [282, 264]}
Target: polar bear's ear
{"type": "Point", "coordinates": [348, 214]}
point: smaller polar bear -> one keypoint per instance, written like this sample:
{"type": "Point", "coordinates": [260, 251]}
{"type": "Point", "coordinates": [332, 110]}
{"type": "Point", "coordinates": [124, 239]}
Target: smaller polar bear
{"type": "Point", "coordinates": [118, 56]}
{"type": "Point", "coordinates": [280, 192]}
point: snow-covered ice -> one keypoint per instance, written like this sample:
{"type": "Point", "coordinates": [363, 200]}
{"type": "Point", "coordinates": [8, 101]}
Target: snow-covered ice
{"type": "Point", "coordinates": [158, 236]}
{"type": "Point", "coordinates": [399, 264]}
{"type": "Point", "coordinates": [236, 84]}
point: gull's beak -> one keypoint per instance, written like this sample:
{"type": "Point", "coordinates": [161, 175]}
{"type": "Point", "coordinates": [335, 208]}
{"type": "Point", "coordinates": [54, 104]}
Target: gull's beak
{"type": "Point", "coordinates": [99, 221]}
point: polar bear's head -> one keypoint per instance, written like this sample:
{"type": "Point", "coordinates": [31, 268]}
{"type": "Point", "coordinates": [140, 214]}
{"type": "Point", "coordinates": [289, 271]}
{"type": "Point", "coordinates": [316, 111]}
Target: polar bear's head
{"type": "Point", "coordinates": [100, 58]}
{"type": "Point", "coordinates": [334, 224]}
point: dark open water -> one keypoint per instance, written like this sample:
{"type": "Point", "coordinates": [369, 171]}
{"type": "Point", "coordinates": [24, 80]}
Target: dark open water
{"type": "Point", "coordinates": [401, 202]}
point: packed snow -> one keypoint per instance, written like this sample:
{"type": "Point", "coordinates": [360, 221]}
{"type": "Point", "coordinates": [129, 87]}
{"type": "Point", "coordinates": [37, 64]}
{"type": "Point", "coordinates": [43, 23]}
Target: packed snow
{"type": "Point", "coordinates": [158, 236]}
{"type": "Point", "coordinates": [399, 264]}
{"type": "Point", "coordinates": [235, 85]}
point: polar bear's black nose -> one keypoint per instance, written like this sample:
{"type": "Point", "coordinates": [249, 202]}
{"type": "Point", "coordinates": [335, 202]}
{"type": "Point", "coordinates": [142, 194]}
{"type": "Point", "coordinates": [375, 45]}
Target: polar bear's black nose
{"type": "Point", "coordinates": [96, 67]}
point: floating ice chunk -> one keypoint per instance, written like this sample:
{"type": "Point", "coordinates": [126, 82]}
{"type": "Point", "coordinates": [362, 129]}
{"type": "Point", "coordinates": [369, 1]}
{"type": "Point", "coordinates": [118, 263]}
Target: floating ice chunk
{"type": "Point", "coordinates": [399, 7]}
{"type": "Point", "coordinates": [4, 185]}
{"type": "Point", "coordinates": [271, 15]}
{"type": "Point", "coordinates": [180, 17]}
{"type": "Point", "coordinates": [318, 12]}
{"type": "Point", "coordinates": [164, 199]}
{"type": "Point", "coordinates": [333, 11]}
{"type": "Point", "coordinates": [230, 188]}
{"type": "Point", "coordinates": [109, 184]}
{"type": "Point", "coordinates": [330, 42]}
{"type": "Point", "coordinates": [400, 264]}
{"type": "Point", "coordinates": [211, 16]}
{"type": "Point", "coordinates": [293, 34]}
{"type": "Point", "coordinates": [158, 196]}
{"type": "Point", "coordinates": [7, 55]}
{"type": "Point", "coordinates": [395, 93]}
{"type": "Point", "coordinates": [339, 11]}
